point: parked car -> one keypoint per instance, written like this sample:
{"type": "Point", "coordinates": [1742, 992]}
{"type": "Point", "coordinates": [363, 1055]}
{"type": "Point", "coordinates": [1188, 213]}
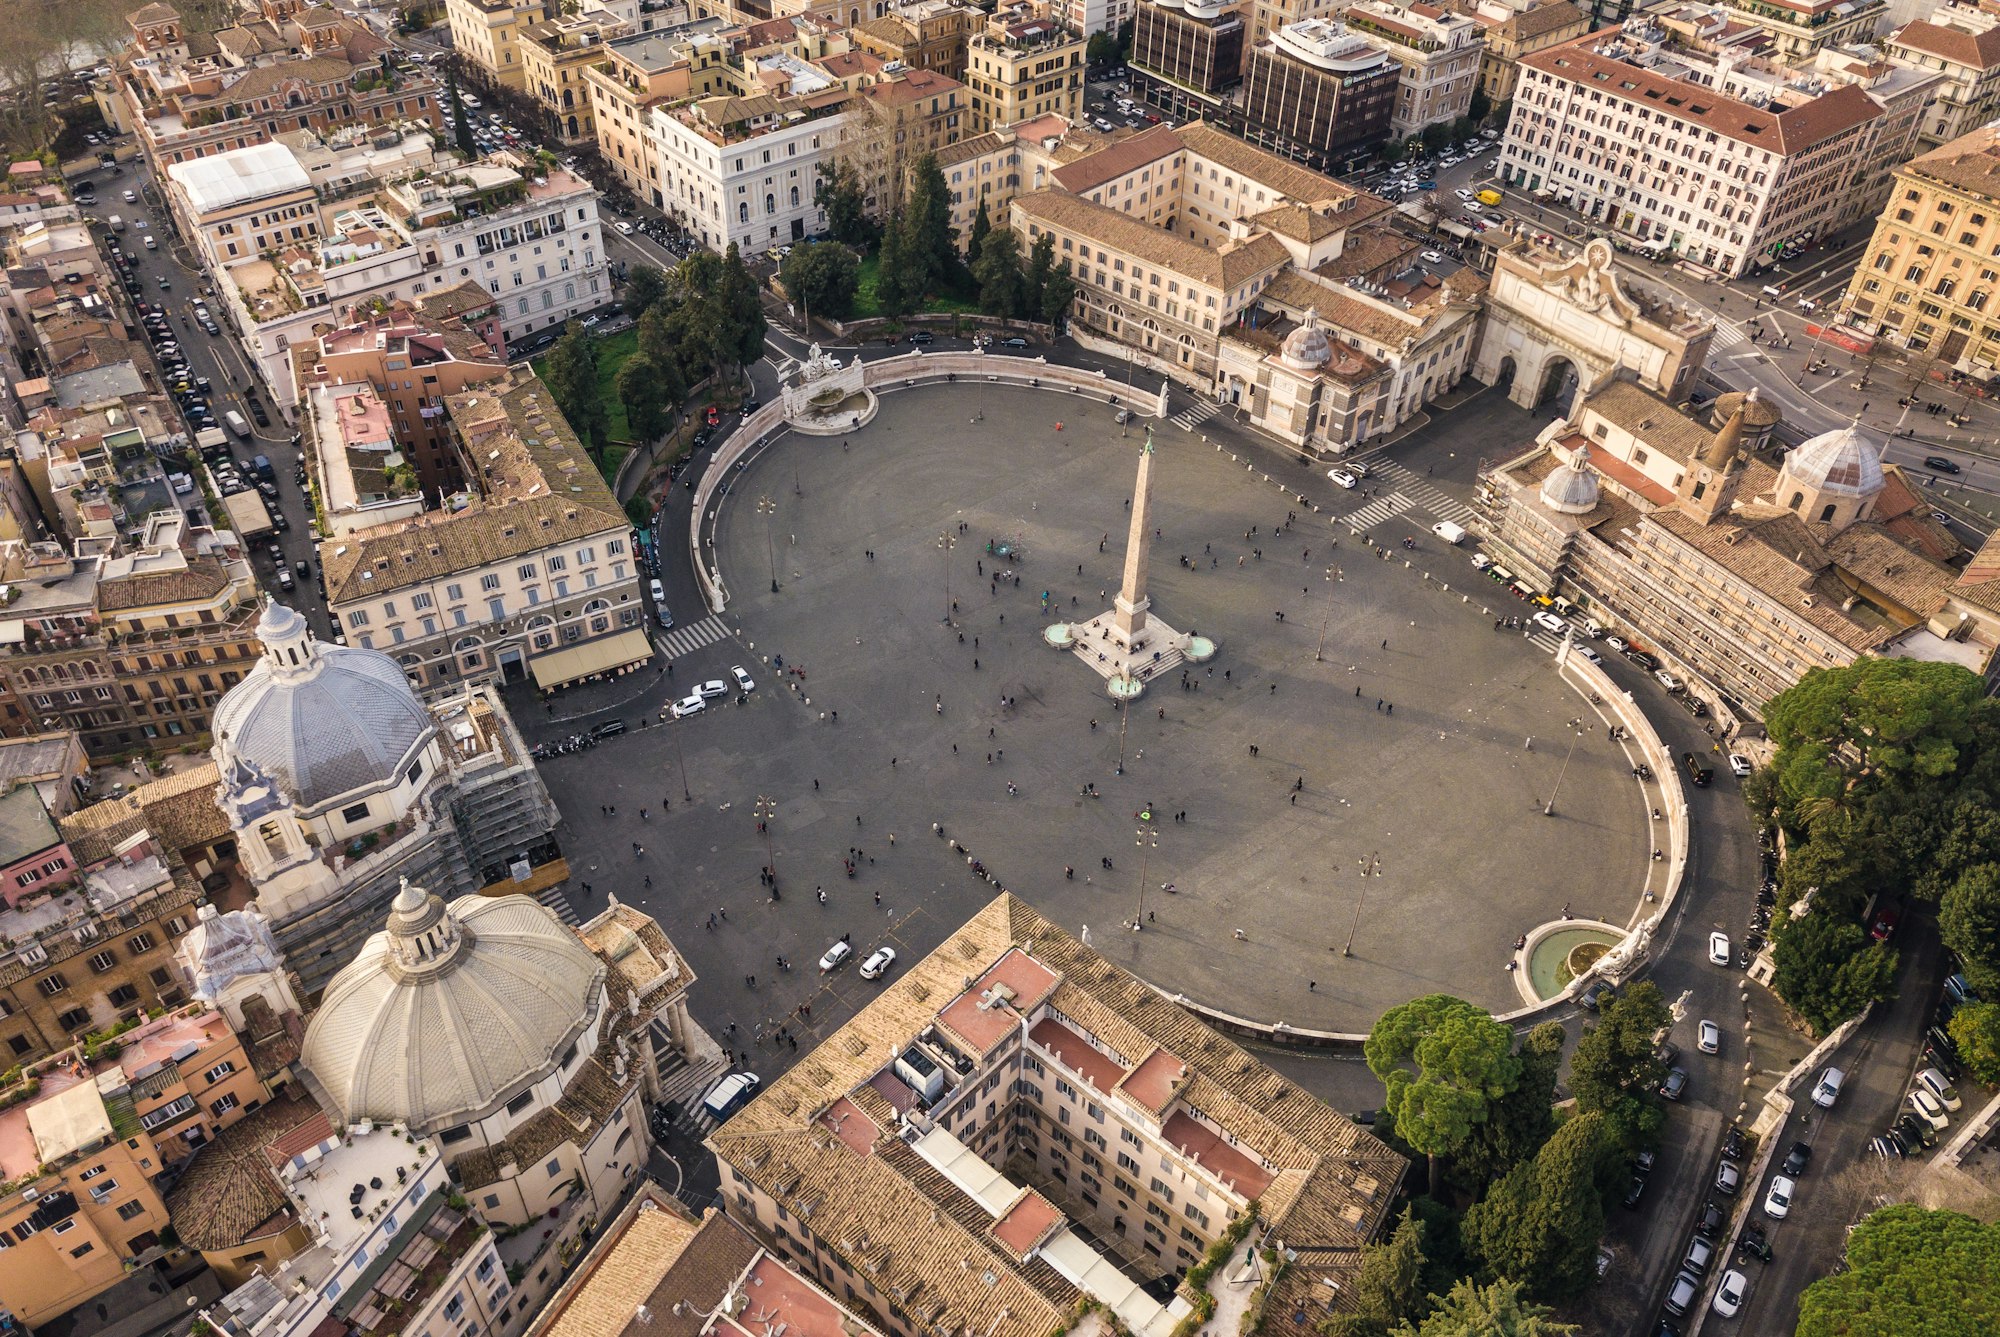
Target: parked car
{"type": "Point", "coordinates": [1682, 1294]}
{"type": "Point", "coordinates": [1827, 1089]}
{"type": "Point", "coordinates": [1712, 1219]}
{"type": "Point", "coordinates": [878, 963]}
{"type": "Point", "coordinates": [689, 705]}
{"type": "Point", "coordinates": [1728, 1178]}
{"type": "Point", "coordinates": [1778, 1198]}
{"type": "Point", "coordinates": [1343, 478]}
{"type": "Point", "coordinates": [1718, 949]}
{"type": "Point", "coordinates": [1933, 1081]}
{"type": "Point", "coordinates": [836, 956]}
{"type": "Point", "coordinates": [1729, 1293]}
{"type": "Point", "coordinates": [1884, 927]}
{"type": "Point", "coordinates": [1941, 464]}
{"type": "Point", "coordinates": [1700, 1253]}
{"type": "Point", "coordinates": [743, 680]}
{"type": "Point", "coordinates": [607, 729]}
{"type": "Point", "coordinates": [1797, 1156]}
{"type": "Point", "coordinates": [1642, 659]}
{"type": "Point", "coordinates": [1597, 994]}
{"type": "Point", "coordinates": [1740, 765]}
{"type": "Point", "coordinates": [1928, 1108]}
{"type": "Point", "coordinates": [1753, 1242]}
{"type": "Point", "coordinates": [1014, 341]}
{"type": "Point", "coordinates": [1675, 1086]}
{"type": "Point", "coordinates": [1710, 1041]}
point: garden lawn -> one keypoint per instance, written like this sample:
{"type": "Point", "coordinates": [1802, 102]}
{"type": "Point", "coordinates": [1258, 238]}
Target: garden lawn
{"type": "Point", "coordinates": [865, 305]}
{"type": "Point", "coordinates": [612, 350]}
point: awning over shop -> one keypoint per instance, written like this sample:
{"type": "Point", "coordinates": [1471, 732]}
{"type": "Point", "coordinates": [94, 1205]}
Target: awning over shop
{"type": "Point", "coordinates": [600, 656]}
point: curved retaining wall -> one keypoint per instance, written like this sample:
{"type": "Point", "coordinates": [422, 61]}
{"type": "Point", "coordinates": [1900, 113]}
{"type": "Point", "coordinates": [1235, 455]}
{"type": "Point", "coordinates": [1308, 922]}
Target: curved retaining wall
{"type": "Point", "coordinates": [883, 375]}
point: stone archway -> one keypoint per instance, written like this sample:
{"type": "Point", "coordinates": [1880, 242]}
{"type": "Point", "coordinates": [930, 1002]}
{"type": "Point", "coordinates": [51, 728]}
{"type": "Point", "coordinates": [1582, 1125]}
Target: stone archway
{"type": "Point", "coordinates": [1559, 382]}
{"type": "Point", "coordinates": [1503, 380]}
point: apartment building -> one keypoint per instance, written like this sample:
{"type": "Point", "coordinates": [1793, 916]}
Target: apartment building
{"type": "Point", "coordinates": [282, 68]}
{"type": "Point", "coordinates": [914, 112]}
{"type": "Point", "coordinates": [646, 70]}
{"type": "Point", "coordinates": [922, 34]}
{"type": "Point", "coordinates": [1439, 50]}
{"type": "Point", "coordinates": [1187, 54]}
{"type": "Point", "coordinates": [1799, 28]}
{"type": "Point", "coordinates": [488, 34]}
{"type": "Point", "coordinates": [244, 202]}
{"type": "Point", "coordinates": [743, 171]}
{"type": "Point", "coordinates": [533, 577]}
{"type": "Point", "coordinates": [94, 948]}
{"type": "Point", "coordinates": [34, 858]}
{"type": "Point", "coordinates": [1319, 94]}
{"type": "Point", "coordinates": [1927, 279]}
{"type": "Point", "coordinates": [1509, 33]}
{"type": "Point", "coordinates": [1020, 68]}
{"type": "Point", "coordinates": [409, 361]}
{"type": "Point", "coordinates": [1130, 1134]}
{"type": "Point", "coordinates": [991, 169]}
{"type": "Point", "coordinates": [554, 56]}
{"type": "Point", "coordinates": [1969, 96]}
{"type": "Point", "coordinates": [1710, 154]}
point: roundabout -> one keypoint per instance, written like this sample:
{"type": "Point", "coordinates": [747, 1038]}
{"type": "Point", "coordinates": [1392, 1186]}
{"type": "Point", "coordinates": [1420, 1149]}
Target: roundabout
{"type": "Point", "coordinates": [1340, 794]}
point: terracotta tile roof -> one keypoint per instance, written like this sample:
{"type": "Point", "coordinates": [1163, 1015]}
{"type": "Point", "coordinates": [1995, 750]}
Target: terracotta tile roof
{"type": "Point", "coordinates": [229, 1192]}
{"type": "Point", "coordinates": [1287, 178]}
{"type": "Point", "coordinates": [1980, 50]}
{"type": "Point", "coordinates": [264, 80]}
{"type": "Point", "coordinates": [1870, 553]}
{"type": "Point", "coordinates": [1653, 420]}
{"type": "Point", "coordinates": [630, 1265]}
{"type": "Point", "coordinates": [1542, 20]}
{"type": "Point", "coordinates": [925, 1246]}
{"type": "Point", "coordinates": [151, 14]}
{"type": "Point", "coordinates": [1787, 131]}
{"type": "Point", "coordinates": [202, 579]}
{"type": "Point", "coordinates": [1979, 583]}
{"type": "Point", "coordinates": [1116, 159]}
{"type": "Point", "coordinates": [179, 810]}
{"type": "Point", "coordinates": [1970, 163]}
{"type": "Point", "coordinates": [1226, 268]}
{"type": "Point", "coordinates": [544, 492]}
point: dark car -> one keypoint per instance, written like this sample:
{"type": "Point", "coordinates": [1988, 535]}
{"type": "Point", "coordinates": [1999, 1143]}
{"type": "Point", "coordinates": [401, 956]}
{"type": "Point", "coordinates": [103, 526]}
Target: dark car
{"type": "Point", "coordinates": [1635, 1192]}
{"type": "Point", "coordinates": [1915, 1132]}
{"type": "Point", "coordinates": [608, 729]}
{"type": "Point", "coordinates": [1697, 772]}
{"type": "Point", "coordinates": [1941, 464]}
{"type": "Point", "coordinates": [1675, 1086]}
{"type": "Point", "coordinates": [1014, 341]}
{"type": "Point", "coordinates": [257, 412]}
{"type": "Point", "coordinates": [1754, 1243]}
{"type": "Point", "coordinates": [1713, 1219]}
{"type": "Point", "coordinates": [1642, 659]}
{"type": "Point", "coordinates": [1598, 994]}
{"type": "Point", "coordinates": [1734, 1144]}
{"type": "Point", "coordinates": [922, 337]}
{"type": "Point", "coordinates": [1796, 1158]}
{"type": "Point", "coordinates": [1692, 705]}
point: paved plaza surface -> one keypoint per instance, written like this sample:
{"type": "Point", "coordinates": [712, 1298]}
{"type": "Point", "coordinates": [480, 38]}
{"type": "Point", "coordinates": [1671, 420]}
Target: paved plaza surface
{"type": "Point", "coordinates": [1444, 791]}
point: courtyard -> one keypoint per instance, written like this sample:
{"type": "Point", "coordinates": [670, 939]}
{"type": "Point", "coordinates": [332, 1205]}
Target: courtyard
{"type": "Point", "coordinates": [889, 719]}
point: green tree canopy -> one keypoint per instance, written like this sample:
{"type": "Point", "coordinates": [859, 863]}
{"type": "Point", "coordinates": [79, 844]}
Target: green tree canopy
{"type": "Point", "coordinates": [739, 312]}
{"type": "Point", "coordinates": [845, 201]}
{"type": "Point", "coordinates": [1975, 1029]}
{"type": "Point", "coordinates": [1100, 50]}
{"type": "Point", "coordinates": [1002, 285]}
{"type": "Point", "coordinates": [896, 290]}
{"type": "Point", "coordinates": [1827, 968]}
{"type": "Point", "coordinates": [1390, 1288]}
{"type": "Point", "coordinates": [1870, 720]}
{"type": "Point", "coordinates": [824, 277]}
{"type": "Point", "coordinates": [928, 251]}
{"type": "Point", "coordinates": [1910, 1273]}
{"type": "Point", "coordinates": [1443, 1062]}
{"type": "Point", "coordinates": [1057, 293]}
{"type": "Point", "coordinates": [982, 224]}
{"type": "Point", "coordinates": [1498, 1310]}
{"type": "Point", "coordinates": [1969, 923]}
{"type": "Point", "coordinates": [1615, 1070]}
{"type": "Point", "coordinates": [572, 379]}
{"type": "Point", "coordinates": [645, 285]}
{"type": "Point", "coordinates": [642, 387]}
{"type": "Point", "coordinates": [461, 129]}
{"type": "Point", "coordinates": [1521, 1120]}
{"type": "Point", "coordinates": [1541, 1223]}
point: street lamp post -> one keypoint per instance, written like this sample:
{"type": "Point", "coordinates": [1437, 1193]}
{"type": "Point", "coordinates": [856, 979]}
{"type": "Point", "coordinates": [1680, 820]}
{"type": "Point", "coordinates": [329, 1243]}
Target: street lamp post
{"type": "Point", "coordinates": [1370, 867]}
{"type": "Point", "coordinates": [1148, 840]}
{"type": "Point", "coordinates": [1123, 715]}
{"type": "Point", "coordinates": [1575, 734]}
{"type": "Point", "coordinates": [946, 543]}
{"type": "Point", "coordinates": [1332, 575]}
{"type": "Point", "coordinates": [766, 810]}
{"type": "Point", "coordinates": [681, 761]}
{"type": "Point", "coordinates": [768, 508]}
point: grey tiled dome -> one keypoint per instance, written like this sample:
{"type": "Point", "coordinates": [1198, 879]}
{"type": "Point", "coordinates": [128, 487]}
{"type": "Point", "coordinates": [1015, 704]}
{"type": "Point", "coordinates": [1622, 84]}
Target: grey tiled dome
{"type": "Point", "coordinates": [322, 720]}
{"type": "Point", "coordinates": [1842, 460]}
{"type": "Point", "coordinates": [450, 1010]}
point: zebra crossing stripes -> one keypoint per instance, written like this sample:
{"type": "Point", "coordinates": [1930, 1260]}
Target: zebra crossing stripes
{"type": "Point", "coordinates": [1385, 507]}
{"type": "Point", "coordinates": [686, 640]}
{"type": "Point", "coordinates": [1191, 418]}
{"type": "Point", "coordinates": [1728, 335]}
{"type": "Point", "coordinates": [1431, 499]}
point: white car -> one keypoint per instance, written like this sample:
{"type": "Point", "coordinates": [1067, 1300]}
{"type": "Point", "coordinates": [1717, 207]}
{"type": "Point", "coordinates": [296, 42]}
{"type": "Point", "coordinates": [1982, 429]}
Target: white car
{"type": "Point", "coordinates": [1344, 478]}
{"type": "Point", "coordinates": [1480, 561]}
{"type": "Point", "coordinates": [131, 198]}
{"type": "Point", "coordinates": [689, 705]}
{"type": "Point", "coordinates": [1778, 1201]}
{"type": "Point", "coordinates": [625, 228]}
{"type": "Point", "coordinates": [711, 689]}
{"type": "Point", "coordinates": [1549, 622]}
{"type": "Point", "coordinates": [1617, 643]}
{"type": "Point", "coordinates": [1718, 949]}
{"type": "Point", "coordinates": [1740, 765]}
{"type": "Point", "coordinates": [878, 963]}
{"type": "Point", "coordinates": [1729, 1293]}
{"type": "Point", "coordinates": [836, 956]}
{"type": "Point", "coordinates": [742, 679]}
{"type": "Point", "coordinates": [1464, 194]}
{"type": "Point", "coordinates": [1585, 652]}
{"type": "Point", "coordinates": [1929, 1108]}
{"type": "Point", "coordinates": [1668, 680]}
{"type": "Point", "coordinates": [1434, 257]}
{"type": "Point", "coordinates": [1935, 1082]}
{"type": "Point", "coordinates": [1711, 1038]}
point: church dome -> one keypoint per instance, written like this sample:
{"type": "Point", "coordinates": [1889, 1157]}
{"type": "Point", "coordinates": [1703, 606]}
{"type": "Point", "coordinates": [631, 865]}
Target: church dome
{"type": "Point", "coordinates": [1842, 462]}
{"type": "Point", "coordinates": [1307, 347]}
{"type": "Point", "coordinates": [1571, 489]}
{"type": "Point", "coordinates": [450, 1010]}
{"type": "Point", "coordinates": [322, 720]}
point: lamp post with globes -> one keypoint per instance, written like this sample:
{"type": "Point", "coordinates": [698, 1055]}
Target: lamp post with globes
{"type": "Point", "coordinates": [1147, 838]}
{"type": "Point", "coordinates": [1370, 867]}
{"type": "Point", "coordinates": [768, 508]}
{"type": "Point", "coordinates": [1333, 576]}
{"type": "Point", "coordinates": [1575, 734]}
{"type": "Point", "coordinates": [946, 542]}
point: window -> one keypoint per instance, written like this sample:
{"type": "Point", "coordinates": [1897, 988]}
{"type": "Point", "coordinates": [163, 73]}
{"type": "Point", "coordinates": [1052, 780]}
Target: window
{"type": "Point", "coordinates": [224, 1105]}
{"type": "Point", "coordinates": [51, 985]}
{"type": "Point", "coordinates": [220, 1071]}
{"type": "Point", "coordinates": [128, 1210]}
{"type": "Point", "coordinates": [553, 1168]}
{"type": "Point", "coordinates": [123, 996]}
{"type": "Point", "coordinates": [103, 961]}
{"type": "Point", "coordinates": [354, 812]}
{"type": "Point", "coordinates": [75, 1020]}
{"type": "Point", "coordinates": [522, 1101]}
{"type": "Point", "coordinates": [139, 943]}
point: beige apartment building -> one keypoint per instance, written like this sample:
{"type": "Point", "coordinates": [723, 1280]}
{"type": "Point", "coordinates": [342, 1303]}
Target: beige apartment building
{"type": "Point", "coordinates": [1020, 68]}
{"type": "Point", "coordinates": [535, 577]}
{"type": "Point", "coordinates": [554, 56]}
{"type": "Point", "coordinates": [1929, 276]}
{"type": "Point", "coordinates": [1130, 1134]}
{"type": "Point", "coordinates": [245, 202]}
{"type": "Point", "coordinates": [1969, 97]}
{"type": "Point", "coordinates": [646, 70]}
{"type": "Point", "coordinates": [1439, 51]}
{"type": "Point", "coordinates": [1800, 28]}
{"type": "Point", "coordinates": [1509, 33]}
{"type": "Point", "coordinates": [488, 33]}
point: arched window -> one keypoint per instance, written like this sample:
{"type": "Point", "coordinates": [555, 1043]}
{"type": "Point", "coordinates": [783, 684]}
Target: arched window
{"type": "Point", "coordinates": [770, 205]}
{"type": "Point", "coordinates": [743, 212]}
{"type": "Point", "coordinates": [795, 197]}
{"type": "Point", "coordinates": [1978, 299]}
{"type": "Point", "coordinates": [1945, 286]}
{"type": "Point", "coordinates": [1826, 514]}
{"type": "Point", "coordinates": [542, 632]}
{"type": "Point", "coordinates": [596, 610]}
{"type": "Point", "coordinates": [470, 651]}
{"type": "Point", "coordinates": [1798, 498]}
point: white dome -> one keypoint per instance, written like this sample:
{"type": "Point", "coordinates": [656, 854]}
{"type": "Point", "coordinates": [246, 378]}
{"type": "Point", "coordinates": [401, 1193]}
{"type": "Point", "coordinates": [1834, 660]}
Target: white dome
{"type": "Point", "coordinates": [322, 720]}
{"type": "Point", "coordinates": [451, 1010]}
{"type": "Point", "coordinates": [1571, 488]}
{"type": "Point", "coordinates": [1842, 461]}
{"type": "Point", "coordinates": [1307, 348]}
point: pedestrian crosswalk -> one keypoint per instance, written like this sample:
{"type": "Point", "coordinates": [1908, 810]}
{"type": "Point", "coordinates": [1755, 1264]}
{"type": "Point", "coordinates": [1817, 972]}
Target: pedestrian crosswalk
{"type": "Point", "coordinates": [1191, 418]}
{"type": "Point", "coordinates": [1385, 507]}
{"type": "Point", "coordinates": [1426, 495]}
{"type": "Point", "coordinates": [556, 901]}
{"type": "Point", "coordinates": [1727, 335]}
{"type": "Point", "coordinates": [686, 640]}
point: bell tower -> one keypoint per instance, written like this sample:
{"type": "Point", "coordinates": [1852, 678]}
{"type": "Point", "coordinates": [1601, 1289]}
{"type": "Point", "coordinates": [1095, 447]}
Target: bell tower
{"type": "Point", "coordinates": [1708, 488]}
{"type": "Point", "coordinates": [282, 862]}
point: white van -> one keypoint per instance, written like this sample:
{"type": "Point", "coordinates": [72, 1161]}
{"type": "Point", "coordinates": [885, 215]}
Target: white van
{"type": "Point", "coordinates": [1828, 1089]}
{"type": "Point", "coordinates": [236, 423]}
{"type": "Point", "coordinates": [1449, 532]}
{"type": "Point", "coordinates": [730, 1094]}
